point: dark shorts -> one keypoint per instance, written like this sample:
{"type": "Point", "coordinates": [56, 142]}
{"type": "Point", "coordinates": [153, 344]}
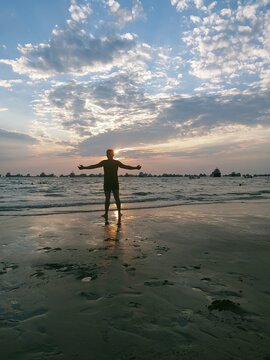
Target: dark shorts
{"type": "Point", "coordinates": [111, 188]}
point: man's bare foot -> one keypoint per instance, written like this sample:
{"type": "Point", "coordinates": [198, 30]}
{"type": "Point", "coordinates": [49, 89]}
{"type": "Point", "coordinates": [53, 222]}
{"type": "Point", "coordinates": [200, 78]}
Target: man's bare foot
{"type": "Point", "coordinates": [105, 216]}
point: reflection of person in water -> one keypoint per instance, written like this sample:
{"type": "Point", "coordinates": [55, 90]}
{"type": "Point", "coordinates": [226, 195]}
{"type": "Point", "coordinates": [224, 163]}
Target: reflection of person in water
{"type": "Point", "coordinates": [111, 184]}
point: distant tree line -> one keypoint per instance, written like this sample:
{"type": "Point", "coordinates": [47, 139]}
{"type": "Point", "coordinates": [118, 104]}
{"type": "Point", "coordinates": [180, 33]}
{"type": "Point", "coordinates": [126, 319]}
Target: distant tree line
{"type": "Point", "coordinates": [215, 173]}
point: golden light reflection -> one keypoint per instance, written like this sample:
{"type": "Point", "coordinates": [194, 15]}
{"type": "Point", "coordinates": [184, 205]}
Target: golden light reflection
{"type": "Point", "coordinates": [112, 235]}
{"type": "Point", "coordinates": [113, 231]}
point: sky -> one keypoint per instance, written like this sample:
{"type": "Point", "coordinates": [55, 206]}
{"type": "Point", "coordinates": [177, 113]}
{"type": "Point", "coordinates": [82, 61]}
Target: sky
{"type": "Point", "coordinates": [179, 86]}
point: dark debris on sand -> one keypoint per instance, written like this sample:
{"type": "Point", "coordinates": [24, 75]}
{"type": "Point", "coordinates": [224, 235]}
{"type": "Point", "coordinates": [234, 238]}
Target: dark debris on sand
{"type": "Point", "coordinates": [226, 305]}
{"type": "Point", "coordinates": [5, 267]}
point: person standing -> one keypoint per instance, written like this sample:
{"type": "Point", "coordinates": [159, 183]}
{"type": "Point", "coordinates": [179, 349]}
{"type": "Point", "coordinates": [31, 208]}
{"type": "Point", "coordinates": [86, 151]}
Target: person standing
{"type": "Point", "coordinates": [111, 184]}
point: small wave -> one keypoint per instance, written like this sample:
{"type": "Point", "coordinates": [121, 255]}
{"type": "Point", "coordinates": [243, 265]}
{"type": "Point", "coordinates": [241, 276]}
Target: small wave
{"type": "Point", "coordinates": [254, 197]}
{"type": "Point", "coordinates": [251, 194]}
{"type": "Point", "coordinates": [178, 197]}
{"type": "Point", "coordinates": [134, 206]}
{"type": "Point", "coordinates": [33, 206]}
{"type": "Point", "coordinates": [141, 193]}
{"type": "Point", "coordinates": [46, 206]}
{"type": "Point", "coordinates": [265, 191]}
{"type": "Point", "coordinates": [55, 195]}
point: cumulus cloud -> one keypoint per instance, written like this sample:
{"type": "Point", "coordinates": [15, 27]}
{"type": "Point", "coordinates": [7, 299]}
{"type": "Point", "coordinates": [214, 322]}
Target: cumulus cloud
{"type": "Point", "coordinates": [124, 15]}
{"type": "Point", "coordinates": [79, 13]}
{"type": "Point", "coordinates": [181, 5]}
{"type": "Point", "coordinates": [72, 51]}
{"type": "Point", "coordinates": [2, 109]}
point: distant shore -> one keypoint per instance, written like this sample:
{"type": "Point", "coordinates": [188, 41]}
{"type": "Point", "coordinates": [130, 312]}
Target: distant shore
{"type": "Point", "coordinates": [72, 174]}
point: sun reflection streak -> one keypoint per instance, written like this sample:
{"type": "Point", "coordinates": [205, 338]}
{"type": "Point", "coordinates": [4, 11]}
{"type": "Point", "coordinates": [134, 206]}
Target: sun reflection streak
{"type": "Point", "coordinates": [113, 235]}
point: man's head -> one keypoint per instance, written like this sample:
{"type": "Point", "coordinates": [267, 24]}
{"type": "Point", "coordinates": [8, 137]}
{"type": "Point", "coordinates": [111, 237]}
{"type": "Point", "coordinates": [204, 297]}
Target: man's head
{"type": "Point", "coordinates": [110, 153]}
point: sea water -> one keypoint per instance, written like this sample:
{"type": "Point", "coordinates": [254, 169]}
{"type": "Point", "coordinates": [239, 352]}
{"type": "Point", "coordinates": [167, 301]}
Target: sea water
{"type": "Point", "coordinates": [37, 195]}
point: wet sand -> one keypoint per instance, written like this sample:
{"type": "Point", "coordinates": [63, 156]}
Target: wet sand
{"type": "Point", "coordinates": [187, 282]}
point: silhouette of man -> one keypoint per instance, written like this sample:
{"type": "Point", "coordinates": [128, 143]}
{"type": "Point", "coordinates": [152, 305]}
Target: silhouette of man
{"type": "Point", "coordinates": [111, 184]}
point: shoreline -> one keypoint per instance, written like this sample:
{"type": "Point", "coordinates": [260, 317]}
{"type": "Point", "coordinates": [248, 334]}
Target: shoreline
{"type": "Point", "coordinates": [78, 209]}
{"type": "Point", "coordinates": [173, 283]}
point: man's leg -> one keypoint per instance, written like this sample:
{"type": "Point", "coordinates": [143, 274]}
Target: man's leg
{"type": "Point", "coordinates": [118, 203]}
{"type": "Point", "coordinates": [107, 203]}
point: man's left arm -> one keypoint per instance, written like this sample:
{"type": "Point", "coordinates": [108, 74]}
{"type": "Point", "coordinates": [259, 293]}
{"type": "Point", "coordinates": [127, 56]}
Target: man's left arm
{"type": "Point", "coordinates": [128, 167]}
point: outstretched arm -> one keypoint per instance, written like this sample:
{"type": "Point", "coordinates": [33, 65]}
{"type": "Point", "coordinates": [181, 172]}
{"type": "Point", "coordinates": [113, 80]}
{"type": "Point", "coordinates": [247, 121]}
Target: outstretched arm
{"type": "Point", "coordinates": [95, 166]}
{"type": "Point", "coordinates": [128, 167]}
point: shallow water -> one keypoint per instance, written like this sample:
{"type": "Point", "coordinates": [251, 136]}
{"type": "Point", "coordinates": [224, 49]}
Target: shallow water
{"type": "Point", "coordinates": [35, 195]}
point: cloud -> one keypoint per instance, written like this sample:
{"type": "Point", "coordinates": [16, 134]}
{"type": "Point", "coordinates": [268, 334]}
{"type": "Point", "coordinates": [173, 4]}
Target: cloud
{"type": "Point", "coordinates": [89, 108]}
{"type": "Point", "coordinates": [9, 83]}
{"type": "Point", "coordinates": [133, 97]}
{"type": "Point", "coordinates": [79, 13]}
{"type": "Point", "coordinates": [265, 79]}
{"type": "Point", "coordinates": [72, 51]}
{"type": "Point", "coordinates": [124, 15]}
{"type": "Point", "coordinates": [227, 43]}
{"type": "Point", "coordinates": [165, 119]}
{"type": "Point", "coordinates": [16, 137]}
{"type": "Point", "coordinates": [182, 5]}
{"type": "Point", "coordinates": [200, 115]}
{"type": "Point", "coordinates": [247, 12]}
{"type": "Point", "coordinates": [126, 138]}
{"type": "Point", "coordinates": [97, 84]}
{"type": "Point", "coordinates": [15, 148]}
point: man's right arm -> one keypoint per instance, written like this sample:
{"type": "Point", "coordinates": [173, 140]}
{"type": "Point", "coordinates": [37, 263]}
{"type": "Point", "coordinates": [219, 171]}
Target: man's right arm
{"type": "Point", "coordinates": [95, 166]}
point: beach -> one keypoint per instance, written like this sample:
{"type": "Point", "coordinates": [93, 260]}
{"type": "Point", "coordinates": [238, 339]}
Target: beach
{"type": "Point", "coordinates": [180, 282]}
